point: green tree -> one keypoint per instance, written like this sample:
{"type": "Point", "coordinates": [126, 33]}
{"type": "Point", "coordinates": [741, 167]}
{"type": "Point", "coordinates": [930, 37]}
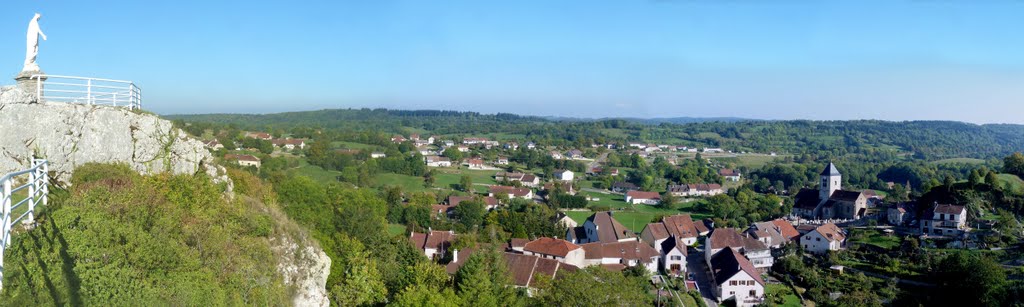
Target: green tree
{"type": "Point", "coordinates": [453, 153]}
{"type": "Point", "coordinates": [1014, 164]}
{"type": "Point", "coordinates": [466, 183]}
{"type": "Point", "coordinates": [594, 286]}
{"type": "Point", "coordinates": [668, 201]}
{"type": "Point", "coordinates": [470, 214]}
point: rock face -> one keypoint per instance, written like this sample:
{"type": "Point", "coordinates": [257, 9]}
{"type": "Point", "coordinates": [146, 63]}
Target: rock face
{"type": "Point", "coordinates": [69, 135]}
{"type": "Point", "coordinates": [304, 267]}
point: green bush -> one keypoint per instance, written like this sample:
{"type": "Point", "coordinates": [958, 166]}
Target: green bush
{"type": "Point", "coordinates": [123, 239]}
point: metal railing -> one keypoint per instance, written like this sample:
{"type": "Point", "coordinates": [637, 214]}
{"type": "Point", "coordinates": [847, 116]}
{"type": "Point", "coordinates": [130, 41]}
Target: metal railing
{"type": "Point", "coordinates": [38, 189]}
{"type": "Point", "coordinates": [82, 90]}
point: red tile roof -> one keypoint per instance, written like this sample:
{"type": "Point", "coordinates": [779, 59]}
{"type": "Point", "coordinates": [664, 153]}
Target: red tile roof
{"type": "Point", "coordinates": [501, 189]}
{"type": "Point", "coordinates": [550, 246]}
{"type": "Point", "coordinates": [643, 195]}
{"type": "Point", "coordinates": [609, 229]}
{"type": "Point", "coordinates": [786, 229]}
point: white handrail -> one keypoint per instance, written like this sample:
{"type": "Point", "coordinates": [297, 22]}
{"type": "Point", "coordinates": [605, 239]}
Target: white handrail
{"type": "Point", "coordinates": [38, 190]}
{"type": "Point", "coordinates": [84, 90]}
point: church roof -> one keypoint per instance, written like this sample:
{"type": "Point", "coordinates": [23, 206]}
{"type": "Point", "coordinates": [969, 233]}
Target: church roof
{"type": "Point", "coordinates": [830, 170]}
{"type": "Point", "coordinates": [807, 199]}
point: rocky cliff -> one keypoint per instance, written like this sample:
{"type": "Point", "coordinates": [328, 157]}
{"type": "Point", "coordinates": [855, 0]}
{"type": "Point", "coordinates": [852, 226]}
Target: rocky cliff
{"type": "Point", "coordinates": [69, 135]}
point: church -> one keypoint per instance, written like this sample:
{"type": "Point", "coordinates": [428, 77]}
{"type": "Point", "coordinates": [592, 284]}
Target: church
{"type": "Point", "coordinates": [830, 201]}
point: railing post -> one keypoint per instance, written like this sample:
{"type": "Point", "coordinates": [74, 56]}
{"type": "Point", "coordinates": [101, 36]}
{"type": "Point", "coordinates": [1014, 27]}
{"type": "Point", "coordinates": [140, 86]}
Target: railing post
{"type": "Point", "coordinates": [88, 91]}
{"type": "Point", "coordinates": [32, 188]}
{"type": "Point", "coordinates": [39, 89]}
{"type": "Point", "coordinates": [7, 213]}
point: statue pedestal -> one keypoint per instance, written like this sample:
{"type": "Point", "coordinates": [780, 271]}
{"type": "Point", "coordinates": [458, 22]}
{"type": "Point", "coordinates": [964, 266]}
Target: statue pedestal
{"type": "Point", "coordinates": [30, 85]}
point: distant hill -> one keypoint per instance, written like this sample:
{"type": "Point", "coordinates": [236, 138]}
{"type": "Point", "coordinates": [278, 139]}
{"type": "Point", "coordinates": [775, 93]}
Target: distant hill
{"type": "Point", "coordinates": [871, 139]}
{"type": "Point", "coordinates": [653, 121]}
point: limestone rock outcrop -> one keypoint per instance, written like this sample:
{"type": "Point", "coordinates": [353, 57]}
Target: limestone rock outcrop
{"type": "Point", "coordinates": [69, 135]}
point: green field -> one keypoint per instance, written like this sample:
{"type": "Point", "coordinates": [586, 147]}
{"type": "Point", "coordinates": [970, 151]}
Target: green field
{"type": "Point", "coordinates": [959, 160]}
{"type": "Point", "coordinates": [408, 183]}
{"type": "Point", "coordinates": [1012, 183]}
{"type": "Point", "coordinates": [781, 290]}
{"type": "Point", "coordinates": [634, 217]}
{"type": "Point", "coordinates": [750, 161]}
{"type": "Point", "coordinates": [874, 237]}
{"type": "Point", "coordinates": [396, 229]}
{"type": "Point", "coordinates": [351, 145]}
{"type": "Point", "coordinates": [315, 172]}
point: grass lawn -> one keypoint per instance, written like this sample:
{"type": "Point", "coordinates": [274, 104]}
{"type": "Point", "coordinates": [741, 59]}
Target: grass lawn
{"type": "Point", "coordinates": [748, 160]}
{"type": "Point", "coordinates": [396, 229]}
{"type": "Point", "coordinates": [351, 145]}
{"type": "Point", "coordinates": [1012, 183]}
{"type": "Point", "coordinates": [960, 160]}
{"type": "Point", "coordinates": [408, 183]}
{"type": "Point", "coordinates": [781, 290]}
{"type": "Point", "coordinates": [875, 237]}
{"type": "Point", "coordinates": [315, 172]}
{"type": "Point", "coordinates": [634, 217]}
{"type": "Point", "coordinates": [450, 177]}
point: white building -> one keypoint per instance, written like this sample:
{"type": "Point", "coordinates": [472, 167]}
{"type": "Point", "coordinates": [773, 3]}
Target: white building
{"type": "Point", "coordinates": [438, 161]}
{"type": "Point", "coordinates": [827, 237]}
{"type": "Point", "coordinates": [642, 197]}
{"type": "Point", "coordinates": [756, 251]}
{"type": "Point", "coordinates": [735, 278]}
{"type": "Point", "coordinates": [565, 175]}
{"type": "Point", "coordinates": [945, 220]}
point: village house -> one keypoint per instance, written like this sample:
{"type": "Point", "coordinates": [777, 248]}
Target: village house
{"type": "Point", "coordinates": [902, 213]}
{"type": "Point", "coordinates": [463, 148]}
{"type": "Point", "coordinates": [259, 136]}
{"type": "Point", "coordinates": [438, 161]}
{"type": "Point", "coordinates": [617, 256]}
{"type": "Point", "coordinates": [475, 163]}
{"type": "Point", "coordinates": [439, 210]}
{"type": "Point", "coordinates": [557, 249]}
{"type": "Point", "coordinates": [774, 233]}
{"type": "Point", "coordinates": [566, 187]}
{"type": "Point", "coordinates": [524, 268]}
{"type": "Point", "coordinates": [756, 251]}
{"type": "Point", "coordinates": [378, 154]}
{"type": "Point", "coordinates": [398, 139]}
{"type": "Point", "coordinates": [419, 143]}
{"type": "Point", "coordinates": [531, 146]}
{"type": "Point", "coordinates": [473, 141]}
{"type": "Point", "coordinates": [433, 243]}
{"type": "Point", "coordinates": [214, 144]}
{"type": "Point", "coordinates": [945, 220]}
{"type": "Point", "coordinates": [511, 192]}
{"type": "Point", "coordinates": [574, 154]}
{"type": "Point", "coordinates": [680, 226]}
{"type": "Point", "coordinates": [673, 256]}
{"type": "Point", "coordinates": [556, 155]}
{"type": "Point", "coordinates": [695, 190]}
{"type": "Point", "coordinates": [243, 160]}
{"type": "Point", "coordinates": [528, 180]}
{"type": "Point", "coordinates": [599, 227]}
{"type": "Point", "coordinates": [564, 175]}
{"type": "Point", "coordinates": [289, 144]}
{"type": "Point", "coordinates": [565, 220]}
{"type": "Point", "coordinates": [448, 143]}
{"type": "Point", "coordinates": [489, 202]}
{"type": "Point", "coordinates": [713, 150]}
{"type": "Point", "coordinates": [512, 146]}
{"type": "Point", "coordinates": [623, 187]}
{"type": "Point", "coordinates": [729, 174]}
{"type": "Point", "coordinates": [824, 238]}
{"type": "Point", "coordinates": [736, 278]}
{"type": "Point", "coordinates": [829, 201]}
{"type": "Point", "coordinates": [643, 197]}
{"type": "Point", "coordinates": [501, 161]}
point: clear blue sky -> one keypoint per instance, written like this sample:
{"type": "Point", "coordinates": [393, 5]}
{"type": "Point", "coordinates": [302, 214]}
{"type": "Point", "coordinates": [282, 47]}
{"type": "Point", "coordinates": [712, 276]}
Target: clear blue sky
{"type": "Point", "coordinates": [960, 60]}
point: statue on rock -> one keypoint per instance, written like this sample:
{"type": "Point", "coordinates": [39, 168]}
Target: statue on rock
{"type": "Point", "coordinates": [32, 43]}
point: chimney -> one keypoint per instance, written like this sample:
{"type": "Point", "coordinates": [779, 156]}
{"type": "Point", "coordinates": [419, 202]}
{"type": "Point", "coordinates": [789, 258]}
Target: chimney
{"type": "Point", "coordinates": [455, 255]}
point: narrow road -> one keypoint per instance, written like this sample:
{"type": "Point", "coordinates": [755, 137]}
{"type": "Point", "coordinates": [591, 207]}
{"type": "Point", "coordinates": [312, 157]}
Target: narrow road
{"type": "Point", "coordinates": [695, 263]}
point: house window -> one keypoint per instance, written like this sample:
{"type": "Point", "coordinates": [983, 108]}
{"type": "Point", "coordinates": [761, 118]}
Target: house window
{"type": "Point", "coordinates": [677, 257]}
{"type": "Point", "coordinates": [817, 239]}
{"type": "Point", "coordinates": [942, 216]}
{"type": "Point", "coordinates": [753, 292]}
{"type": "Point", "coordinates": [732, 282]}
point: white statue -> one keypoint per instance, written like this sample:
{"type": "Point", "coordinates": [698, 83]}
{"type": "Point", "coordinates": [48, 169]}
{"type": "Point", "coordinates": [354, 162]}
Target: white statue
{"type": "Point", "coordinates": [32, 44]}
